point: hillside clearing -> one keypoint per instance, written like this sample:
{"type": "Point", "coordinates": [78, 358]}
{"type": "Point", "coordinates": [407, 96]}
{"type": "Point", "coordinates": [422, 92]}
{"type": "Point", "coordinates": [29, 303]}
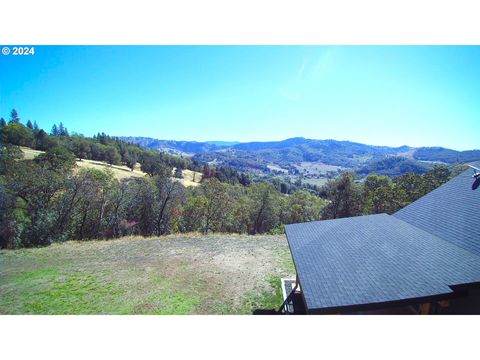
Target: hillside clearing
{"type": "Point", "coordinates": [274, 167]}
{"type": "Point", "coordinates": [120, 172]}
{"type": "Point", "coordinates": [190, 178]}
{"type": "Point", "coordinates": [316, 181]}
{"type": "Point", "coordinates": [317, 168]}
{"type": "Point", "coordinates": [30, 154]}
{"type": "Point", "coordinates": [176, 274]}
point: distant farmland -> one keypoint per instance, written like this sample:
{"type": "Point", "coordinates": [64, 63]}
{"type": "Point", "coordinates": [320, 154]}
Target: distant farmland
{"type": "Point", "coordinates": [317, 181]}
{"type": "Point", "coordinates": [316, 168]}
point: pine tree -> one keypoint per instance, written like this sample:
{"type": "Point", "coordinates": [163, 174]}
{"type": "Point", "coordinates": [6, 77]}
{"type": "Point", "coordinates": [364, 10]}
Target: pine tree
{"type": "Point", "coordinates": [55, 131]}
{"type": "Point", "coordinates": [3, 122]}
{"type": "Point", "coordinates": [61, 129]}
{"type": "Point", "coordinates": [14, 116]}
{"type": "Point", "coordinates": [35, 126]}
{"type": "Point", "coordinates": [29, 125]}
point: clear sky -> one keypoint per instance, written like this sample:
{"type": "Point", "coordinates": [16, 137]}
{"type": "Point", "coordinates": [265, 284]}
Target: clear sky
{"type": "Point", "coordinates": [418, 96]}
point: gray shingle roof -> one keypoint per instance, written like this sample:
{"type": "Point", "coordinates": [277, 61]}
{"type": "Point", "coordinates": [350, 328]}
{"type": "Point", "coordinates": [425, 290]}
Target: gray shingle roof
{"type": "Point", "coordinates": [451, 212]}
{"type": "Point", "coordinates": [381, 258]}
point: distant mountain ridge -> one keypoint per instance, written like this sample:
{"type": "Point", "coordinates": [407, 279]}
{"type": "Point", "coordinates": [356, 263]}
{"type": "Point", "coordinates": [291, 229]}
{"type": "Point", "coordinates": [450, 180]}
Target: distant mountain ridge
{"type": "Point", "coordinates": [290, 154]}
{"type": "Point", "coordinates": [182, 148]}
{"type": "Point", "coordinates": [446, 155]}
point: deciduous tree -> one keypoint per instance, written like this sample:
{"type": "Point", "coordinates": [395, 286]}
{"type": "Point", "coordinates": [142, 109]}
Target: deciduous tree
{"type": "Point", "coordinates": [344, 197]}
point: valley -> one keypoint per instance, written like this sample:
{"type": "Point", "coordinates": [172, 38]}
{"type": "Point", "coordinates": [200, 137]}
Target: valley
{"type": "Point", "coordinates": [310, 161]}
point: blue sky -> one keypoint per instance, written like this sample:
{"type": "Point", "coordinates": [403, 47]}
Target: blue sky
{"type": "Point", "coordinates": [418, 96]}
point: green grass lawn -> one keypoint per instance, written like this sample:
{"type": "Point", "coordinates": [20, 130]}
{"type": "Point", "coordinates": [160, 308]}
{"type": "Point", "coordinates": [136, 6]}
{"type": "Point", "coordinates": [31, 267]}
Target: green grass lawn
{"type": "Point", "coordinates": [216, 274]}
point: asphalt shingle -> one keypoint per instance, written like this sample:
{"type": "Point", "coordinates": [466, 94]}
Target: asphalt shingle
{"type": "Point", "coordinates": [451, 212]}
{"type": "Point", "coordinates": [419, 252]}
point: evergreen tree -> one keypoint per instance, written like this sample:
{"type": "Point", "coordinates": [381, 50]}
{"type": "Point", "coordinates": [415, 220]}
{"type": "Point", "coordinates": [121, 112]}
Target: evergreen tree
{"type": "Point", "coordinates": [41, 140]}
{"type": "Point", "coordinates": [62, 130]}
{"type": "Point", "coordinates": [3, 122]}
{"type": "Point", "coordinates": [55, 131]}
{"type": "Point", "coordinates": [14, 118]}
{"type": "Point", "coordinates": [29, 125]}
{"type": "Point", "coordinates": [36, 129]}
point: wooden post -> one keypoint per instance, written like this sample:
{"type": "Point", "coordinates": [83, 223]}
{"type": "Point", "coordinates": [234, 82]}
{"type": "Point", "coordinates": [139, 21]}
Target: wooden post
{"type": "Point", "coordinates": [425, 309]}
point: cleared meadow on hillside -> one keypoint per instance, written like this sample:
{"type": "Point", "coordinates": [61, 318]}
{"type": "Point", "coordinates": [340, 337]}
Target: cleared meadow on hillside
{"type": "Point", "coordinates": [190, 178]}
{"type": "Point", "coordinates": [176, 274]}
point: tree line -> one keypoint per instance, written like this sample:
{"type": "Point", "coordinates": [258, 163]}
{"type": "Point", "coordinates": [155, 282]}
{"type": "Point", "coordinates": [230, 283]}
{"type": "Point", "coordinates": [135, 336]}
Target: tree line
{"type": "Point", "coordinates": [111, 150]}
{"type": "Point", "coordinates": [43, 201]}
{"type": "Point", "coordinates": [100, 148]}
{"type": "Point", "coordinates": [48, 199]}
{"type": "Point", "coordinates": [348, 196]}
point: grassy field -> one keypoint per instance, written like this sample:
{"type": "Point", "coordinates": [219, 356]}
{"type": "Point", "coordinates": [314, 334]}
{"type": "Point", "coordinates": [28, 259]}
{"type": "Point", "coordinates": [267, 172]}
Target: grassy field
{"type": "Point", "coordinates": [274, 167]}
{"type": "Point", "coordinates": [177, 274]}
{"type": "Point", "coordinates": [120, 172]}
{"type": "Point", "coordinates": [316, 168]}
{"type": "Point", "coordinates": [190, 178]}
{"type": "Point", "coordinates": [30, 154]}
{"type": "Point", "coordinates": [318, 181]}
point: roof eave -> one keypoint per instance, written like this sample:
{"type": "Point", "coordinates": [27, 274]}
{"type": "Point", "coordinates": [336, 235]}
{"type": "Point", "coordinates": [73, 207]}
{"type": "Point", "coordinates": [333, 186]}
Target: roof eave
{"type": "Point", "coordinates": [380, 305]}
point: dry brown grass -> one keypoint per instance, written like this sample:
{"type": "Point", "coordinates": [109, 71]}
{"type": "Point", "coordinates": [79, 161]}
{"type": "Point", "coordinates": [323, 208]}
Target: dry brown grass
{"type": "Point", "coordinates": [120, 172]}
{"type": "Point", "coordinates": [190, 178]}
{"type": "Point", "coordinates": [30, 154]}
{"type": "Point", "coordinates": [175, 274]}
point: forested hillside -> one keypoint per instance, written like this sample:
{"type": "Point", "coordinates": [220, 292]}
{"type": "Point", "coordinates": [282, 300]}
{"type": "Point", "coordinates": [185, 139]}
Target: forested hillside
{"type": "Point", "coordinates": [393, 166]}
{"type": "Point", "coordinates": [293, 158]}
{"type": "Point", "coordinates": [50, 199]}
{"type": "Point", "coordinates": [446, 155]}
{"type": "Point", "coordinates": [185, 148]}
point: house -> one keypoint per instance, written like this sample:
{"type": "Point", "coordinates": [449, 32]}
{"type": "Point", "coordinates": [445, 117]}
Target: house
{"type": "Point", "coordinates": [424, 258]}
